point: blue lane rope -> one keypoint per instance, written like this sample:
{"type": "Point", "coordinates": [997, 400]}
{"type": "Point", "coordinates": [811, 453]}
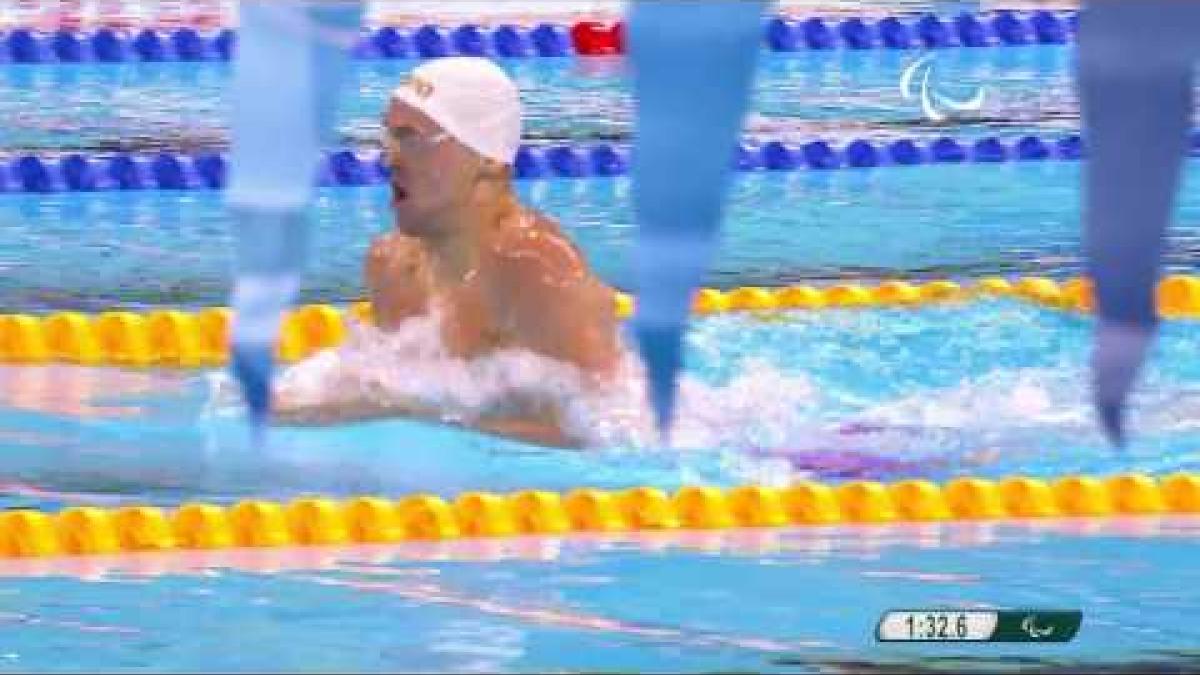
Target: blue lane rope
{"type": "Point", "coordinates": [78, 172]}
{"type": "Point", "coordinates": [780, 34]}
{"type": "Point", "coordinates": [109, 45]}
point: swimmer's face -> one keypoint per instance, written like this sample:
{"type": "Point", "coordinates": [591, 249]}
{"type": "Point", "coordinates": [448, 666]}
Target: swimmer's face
{"type": "Point", "coordinates": [431, 172]}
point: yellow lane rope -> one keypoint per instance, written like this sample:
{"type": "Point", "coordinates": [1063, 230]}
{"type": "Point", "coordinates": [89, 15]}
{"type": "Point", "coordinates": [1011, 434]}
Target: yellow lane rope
{"type": "Point", "coordinates": [171, 338]}
{"type": "Point", "coordinates": [809, 542]}
{"type": "Point", "coordinates": [375, 520]}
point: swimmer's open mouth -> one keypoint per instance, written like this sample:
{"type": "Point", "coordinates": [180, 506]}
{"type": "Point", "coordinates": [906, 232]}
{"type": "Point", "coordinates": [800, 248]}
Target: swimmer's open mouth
{"type": "Point", "coordinates": [399, 193]}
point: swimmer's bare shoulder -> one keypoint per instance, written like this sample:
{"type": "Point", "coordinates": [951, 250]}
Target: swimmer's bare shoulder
{"type": "Point", "coordinates": [396, 273]}
{"type": "Point", "coordinates": [542, 288]}
{"type": "Point", "coordinates": [546, 294]}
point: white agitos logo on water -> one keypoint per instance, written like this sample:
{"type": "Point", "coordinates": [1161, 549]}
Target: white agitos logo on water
{"type": "Point", "coordinates": [933, 103]}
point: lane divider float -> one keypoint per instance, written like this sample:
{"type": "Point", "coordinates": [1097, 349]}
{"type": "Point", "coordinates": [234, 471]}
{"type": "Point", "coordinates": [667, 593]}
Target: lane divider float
{"type": "Point", "coordinates": [179, 339]}
{"type": "Point", "coordinates": [87, 530]}
{"type": "Point", "coordinates": [82, 172]}
{"type": "Point", "coordinates": [583, 38]}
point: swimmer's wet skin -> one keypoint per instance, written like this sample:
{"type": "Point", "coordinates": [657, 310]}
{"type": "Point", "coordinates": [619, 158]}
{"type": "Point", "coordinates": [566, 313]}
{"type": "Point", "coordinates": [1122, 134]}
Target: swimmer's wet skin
{"type": "Point", "coordinates": [496, 274]}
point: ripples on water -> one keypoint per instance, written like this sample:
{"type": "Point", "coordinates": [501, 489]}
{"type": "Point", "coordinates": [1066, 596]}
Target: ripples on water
{"type": "Point", "coordinates": [1007, 379]}
{"type": "Point", "coordinates": [150, 249]}
{"type": "Point", "coordinates": [800, 96]}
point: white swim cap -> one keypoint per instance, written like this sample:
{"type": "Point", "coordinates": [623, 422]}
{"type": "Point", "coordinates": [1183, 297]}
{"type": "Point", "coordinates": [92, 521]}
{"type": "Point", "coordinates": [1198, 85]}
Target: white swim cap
{"type": "Point", "coordinates": [472, 99]}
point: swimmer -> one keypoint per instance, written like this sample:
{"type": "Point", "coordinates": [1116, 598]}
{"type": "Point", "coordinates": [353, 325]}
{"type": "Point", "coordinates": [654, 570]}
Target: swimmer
{"type": "Point", "coordinates": [498, 275]}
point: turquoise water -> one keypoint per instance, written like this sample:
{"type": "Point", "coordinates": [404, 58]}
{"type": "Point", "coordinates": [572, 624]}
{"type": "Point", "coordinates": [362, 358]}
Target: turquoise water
{"type": "Point", "coordinates": [148, 249]}
{"type": "Point", "coordinates": [985, 389]}
{"type": "Point", "coordinates": [798, 601]}
{"type": "Point", "coordinates": [836, 95]}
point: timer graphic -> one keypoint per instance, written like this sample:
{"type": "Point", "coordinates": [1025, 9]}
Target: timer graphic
{"type": "Point", "coordinates": [978, 625]}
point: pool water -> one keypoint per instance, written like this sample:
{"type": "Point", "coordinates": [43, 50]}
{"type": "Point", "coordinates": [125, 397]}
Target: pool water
{"type": "Point", "coordinates": [791, 601]}
{"type": "Point", "coordinates": [153, 249]}
{"type": "Point", "coordinates": [985, 389]}
{"type": "Point", "coordinates": [989, 388]}
{"type": "Point", "coordinates": [836, 95]}
{"type": "Point", "coordinates": [992, 389]}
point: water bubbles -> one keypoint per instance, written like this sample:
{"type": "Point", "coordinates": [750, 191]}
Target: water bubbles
{"type": "Point", "coordinates": [410, 369]}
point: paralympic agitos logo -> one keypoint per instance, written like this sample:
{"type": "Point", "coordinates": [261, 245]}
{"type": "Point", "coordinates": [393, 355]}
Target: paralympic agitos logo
{"type": "Point", "coordinates": [917, 82]}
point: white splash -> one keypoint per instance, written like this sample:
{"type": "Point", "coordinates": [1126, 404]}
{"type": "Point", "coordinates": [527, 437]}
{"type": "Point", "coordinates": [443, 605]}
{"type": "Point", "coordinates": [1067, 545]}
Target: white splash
{"type": "Point", "coordinates": [1003, 399]}
{"type": "Point", "coordinates": [409, 365]}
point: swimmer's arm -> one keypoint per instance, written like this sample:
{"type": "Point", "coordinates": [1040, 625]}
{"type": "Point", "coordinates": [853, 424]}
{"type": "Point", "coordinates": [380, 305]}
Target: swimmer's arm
{"type": "Point", "coordinates": [535, 431]}
{"type": "Point", "coordinates": [328, 413]}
